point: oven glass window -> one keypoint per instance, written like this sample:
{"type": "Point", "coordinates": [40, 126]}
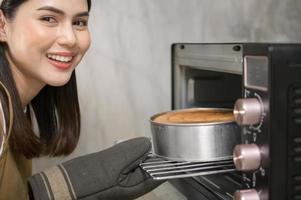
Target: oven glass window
{"type": "Point", "coordinates": [212, 89]}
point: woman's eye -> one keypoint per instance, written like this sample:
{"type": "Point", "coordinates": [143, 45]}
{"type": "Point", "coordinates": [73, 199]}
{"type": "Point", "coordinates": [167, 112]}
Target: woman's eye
{"type": "Point", "coordinates": [48, 19]}
{"type": "Point", "coordinates": [81, 23]}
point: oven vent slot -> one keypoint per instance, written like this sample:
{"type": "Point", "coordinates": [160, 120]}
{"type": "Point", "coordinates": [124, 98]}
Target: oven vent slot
{"type": "Point", "coordinates": [296, 197]}
{"type": "Point", "coordinates": [297, 91]}
{"type": "Point", "coordinates": [297, 101]}
{"type": "Point", "coordinates": [297, 111]}
{"type": "Point", "coordinates": [297, 140]}
{"type": "Point", "coordinates": [297, 120]}
{"type": "Point", "coordinates": [160, 169]}
{"type": "Point", "coordinates": [296, 105]}
{"type": "Point", "coordinates": [297, 151]}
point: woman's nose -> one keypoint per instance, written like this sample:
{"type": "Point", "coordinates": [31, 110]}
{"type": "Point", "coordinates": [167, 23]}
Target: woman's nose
{"type": "Point", "coordinates": [67, 37]}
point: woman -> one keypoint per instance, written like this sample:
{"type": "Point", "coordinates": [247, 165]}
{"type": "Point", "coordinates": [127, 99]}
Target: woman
{"type": "Point", "coordinates": [41, 44]}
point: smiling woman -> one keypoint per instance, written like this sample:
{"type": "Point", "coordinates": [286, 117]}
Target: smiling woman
{"type": "Point", "coordinates": [41, 43]}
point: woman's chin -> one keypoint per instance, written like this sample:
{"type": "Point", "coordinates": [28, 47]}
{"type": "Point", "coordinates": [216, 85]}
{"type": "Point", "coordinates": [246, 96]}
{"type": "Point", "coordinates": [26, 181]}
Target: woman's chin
{"type": "Point", "coordinates": [58, 83]}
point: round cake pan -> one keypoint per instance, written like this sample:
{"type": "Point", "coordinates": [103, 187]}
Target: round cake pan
{"type": "Point", "coordinates": [195, 141]}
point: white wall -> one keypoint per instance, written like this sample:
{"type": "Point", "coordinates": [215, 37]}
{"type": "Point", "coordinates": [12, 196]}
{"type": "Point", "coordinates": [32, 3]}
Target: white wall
{"type": "Point", "coordinates": [125, 78]}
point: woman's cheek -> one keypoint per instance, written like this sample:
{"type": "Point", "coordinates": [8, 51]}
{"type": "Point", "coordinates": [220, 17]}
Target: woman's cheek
{"type": "Point", "coordinates": [85, 41]}
{"type": "Point", "coordinates": [37, 34]}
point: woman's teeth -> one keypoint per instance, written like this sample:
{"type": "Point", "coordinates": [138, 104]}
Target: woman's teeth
{"type": "Point", "coordinates": [60, 58]}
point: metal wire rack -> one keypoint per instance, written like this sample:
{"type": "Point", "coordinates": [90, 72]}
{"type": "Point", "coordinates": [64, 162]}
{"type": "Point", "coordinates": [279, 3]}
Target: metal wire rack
{"type": "Point", "coordinates": [160, 169]}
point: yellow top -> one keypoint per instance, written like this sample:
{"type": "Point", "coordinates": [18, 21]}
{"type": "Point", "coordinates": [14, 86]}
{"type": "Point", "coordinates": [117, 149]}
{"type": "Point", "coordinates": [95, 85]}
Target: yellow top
{"type": "Point", "coordinates": [14, 168]}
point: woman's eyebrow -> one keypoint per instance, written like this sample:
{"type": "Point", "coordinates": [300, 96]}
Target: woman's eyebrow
{"type": "Point", "coordinates": [61, 12]}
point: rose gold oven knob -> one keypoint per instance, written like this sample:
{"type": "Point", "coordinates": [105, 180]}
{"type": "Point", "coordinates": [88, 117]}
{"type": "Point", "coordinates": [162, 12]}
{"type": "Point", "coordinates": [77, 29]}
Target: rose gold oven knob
{"type": "Point", "coordinates": [247, 111]}
{"type": "Point", "coordinates": [247, 157]}
{"type": "Point", "coordinates": [249, 194]}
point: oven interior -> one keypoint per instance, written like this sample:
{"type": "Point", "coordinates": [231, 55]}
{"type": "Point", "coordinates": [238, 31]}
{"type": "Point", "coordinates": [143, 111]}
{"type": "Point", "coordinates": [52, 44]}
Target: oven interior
{"type": "Point", "coordinates": [206, 76]}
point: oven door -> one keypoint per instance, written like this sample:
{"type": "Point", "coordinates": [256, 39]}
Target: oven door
{"type": "Point", "coordinates": [207, 76]}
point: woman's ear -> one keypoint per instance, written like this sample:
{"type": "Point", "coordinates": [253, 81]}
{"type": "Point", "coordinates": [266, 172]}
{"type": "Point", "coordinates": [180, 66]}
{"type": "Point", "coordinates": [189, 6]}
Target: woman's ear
{"type": "Point", "coordinates": [2, 27]}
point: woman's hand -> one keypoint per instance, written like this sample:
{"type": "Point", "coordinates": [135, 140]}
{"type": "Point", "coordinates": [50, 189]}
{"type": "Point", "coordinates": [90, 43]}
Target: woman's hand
{"type": "Point", "coordinates": [110, 174]}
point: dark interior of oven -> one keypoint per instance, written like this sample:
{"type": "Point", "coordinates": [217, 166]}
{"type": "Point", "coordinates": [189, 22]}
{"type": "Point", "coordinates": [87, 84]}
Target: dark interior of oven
{"type": "Point", "coordinates": [212, 88]}
{"type": "Point", "coordinates": [216, 90]}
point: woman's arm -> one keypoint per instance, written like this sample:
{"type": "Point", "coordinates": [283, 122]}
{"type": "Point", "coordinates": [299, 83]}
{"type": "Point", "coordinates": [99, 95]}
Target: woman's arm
{"type": "Point", "coordinates": [110, 174]}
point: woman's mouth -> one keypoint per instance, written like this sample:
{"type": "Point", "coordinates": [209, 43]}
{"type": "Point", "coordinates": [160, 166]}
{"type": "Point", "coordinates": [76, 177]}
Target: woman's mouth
{"type": "Point", "coordinates": [60, 61]}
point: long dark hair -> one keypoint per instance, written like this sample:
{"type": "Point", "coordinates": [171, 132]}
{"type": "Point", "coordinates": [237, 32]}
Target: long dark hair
{"type": "Point", "coordinates": [56, 109]}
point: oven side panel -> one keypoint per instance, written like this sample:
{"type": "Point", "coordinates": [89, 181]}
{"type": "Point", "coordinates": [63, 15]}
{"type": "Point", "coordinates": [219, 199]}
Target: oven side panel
{"type": "Point", "coordinates": [285, 136]}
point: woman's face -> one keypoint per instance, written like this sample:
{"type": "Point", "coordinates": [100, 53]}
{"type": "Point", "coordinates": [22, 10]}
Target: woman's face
{"type": "Point", "coordinates": [47, 39]}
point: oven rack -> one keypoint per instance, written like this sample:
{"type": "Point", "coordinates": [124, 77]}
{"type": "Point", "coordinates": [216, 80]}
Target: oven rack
{"type": "Point", "coordinates": [160, 169]}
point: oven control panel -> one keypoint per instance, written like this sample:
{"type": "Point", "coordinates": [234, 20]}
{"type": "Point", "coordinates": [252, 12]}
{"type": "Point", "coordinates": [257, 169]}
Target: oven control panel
{"type": "Point", "coordinates": [252, 114]}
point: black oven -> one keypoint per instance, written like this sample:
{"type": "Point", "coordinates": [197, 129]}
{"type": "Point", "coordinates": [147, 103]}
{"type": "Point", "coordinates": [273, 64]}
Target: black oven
{"type": "Point", "coordinates": [262, 83]}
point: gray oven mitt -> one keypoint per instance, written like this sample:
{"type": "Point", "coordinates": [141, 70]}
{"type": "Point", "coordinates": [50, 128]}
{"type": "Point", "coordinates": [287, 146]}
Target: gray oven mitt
{"type": "Point", "coordinates": [113, 173]}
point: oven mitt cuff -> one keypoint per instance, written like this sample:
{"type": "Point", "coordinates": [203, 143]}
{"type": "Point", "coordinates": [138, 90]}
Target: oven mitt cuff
{"type": "Point", "coordinates": [113, 173]}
